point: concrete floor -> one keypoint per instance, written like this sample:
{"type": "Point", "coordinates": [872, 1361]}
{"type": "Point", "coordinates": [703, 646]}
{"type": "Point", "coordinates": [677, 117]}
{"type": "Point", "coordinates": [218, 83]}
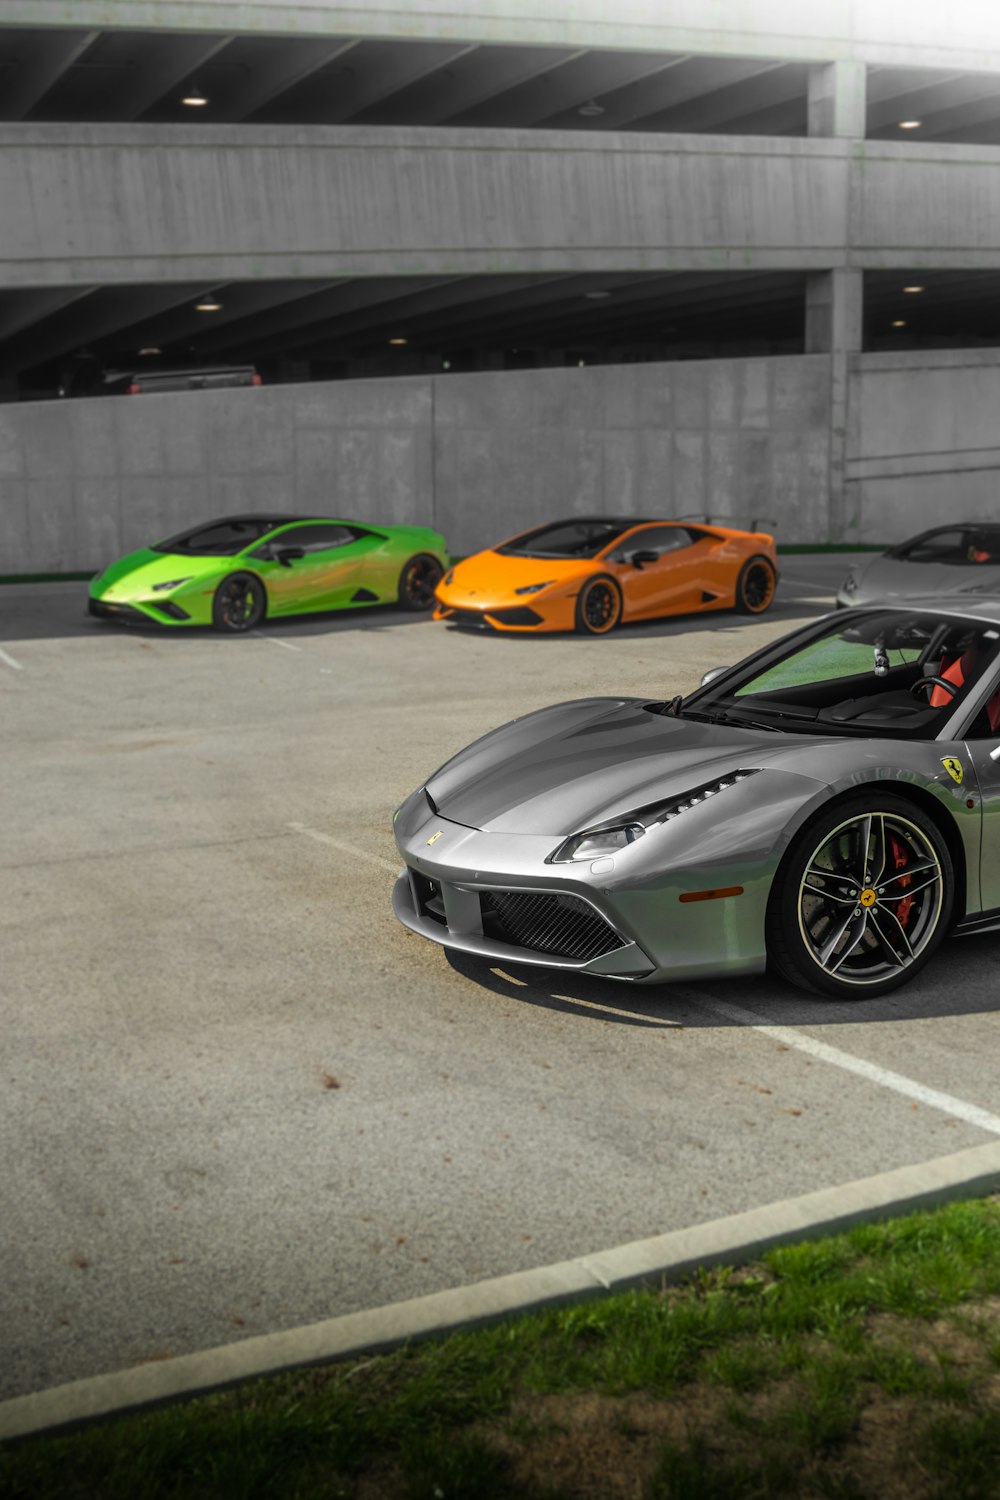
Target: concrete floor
{"type": "Point", "coordinates": [238, 1095]}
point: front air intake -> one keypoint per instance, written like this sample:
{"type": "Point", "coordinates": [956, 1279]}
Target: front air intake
{"type": "Point", "coordinates": [563, 925]}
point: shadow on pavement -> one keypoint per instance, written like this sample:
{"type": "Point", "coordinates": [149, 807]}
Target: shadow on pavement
{"type": "Point", "coordinates": [960, 980]}
{"type": "Point", "coordinates": [58, 611]}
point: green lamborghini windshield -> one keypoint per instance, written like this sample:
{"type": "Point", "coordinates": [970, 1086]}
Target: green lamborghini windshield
{"type": "Point", "coordinates": [222, 538]}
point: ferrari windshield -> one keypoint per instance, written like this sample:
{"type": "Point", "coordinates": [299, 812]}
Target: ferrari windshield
{"type": "Point", "coordinates": [882, 672]}
{"type": "Point", "coordinates": [583, 538]}
{"type": "Point", "coordinates": [221, 538]}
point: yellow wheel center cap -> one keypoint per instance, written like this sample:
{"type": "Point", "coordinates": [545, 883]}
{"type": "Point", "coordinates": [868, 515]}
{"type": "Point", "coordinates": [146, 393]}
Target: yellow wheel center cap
{"type": "Point", "coordinates": [868, 897]}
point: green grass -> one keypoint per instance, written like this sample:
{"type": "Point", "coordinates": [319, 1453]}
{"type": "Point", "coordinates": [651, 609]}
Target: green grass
{"type": "Point", "coordinates": [828, 1369]}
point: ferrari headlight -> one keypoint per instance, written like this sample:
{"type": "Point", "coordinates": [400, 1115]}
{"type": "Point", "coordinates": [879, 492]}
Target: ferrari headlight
{"type": "Point", "coordinates": [449, 576]}
{"type": "Point", "coordinates": [534, 588]}
{"type": "Point", "coordinates": [597, 842]}
{"type": "Point", "coordinates": [612, 837]}
{"type": "Point", "coordinates": [173, 584]}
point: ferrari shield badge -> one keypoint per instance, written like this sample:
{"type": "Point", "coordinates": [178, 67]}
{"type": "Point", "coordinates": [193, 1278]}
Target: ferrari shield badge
{"type": "Point", "coordinates": [954, 768]}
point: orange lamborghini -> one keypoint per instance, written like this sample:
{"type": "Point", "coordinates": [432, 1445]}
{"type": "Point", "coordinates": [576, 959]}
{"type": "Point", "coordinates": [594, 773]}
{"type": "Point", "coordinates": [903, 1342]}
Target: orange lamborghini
{"type": "Point", "coordinates": [590, 573]}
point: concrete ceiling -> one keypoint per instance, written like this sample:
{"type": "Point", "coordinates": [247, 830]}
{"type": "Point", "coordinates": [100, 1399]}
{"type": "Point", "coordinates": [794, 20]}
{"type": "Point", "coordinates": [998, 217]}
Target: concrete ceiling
{"type": "Point", "coordinates": [117, 75]}
{"type": "Point", "coordinates": [347, 325]}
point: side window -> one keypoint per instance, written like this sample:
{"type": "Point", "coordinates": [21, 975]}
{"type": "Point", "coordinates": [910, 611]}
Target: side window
{"type": "Point", "coordinates": [658, 539]}
{"type": "Point", "coordinates": [316, 537]}
{"type": "Point", "coordinates": [940, 546]}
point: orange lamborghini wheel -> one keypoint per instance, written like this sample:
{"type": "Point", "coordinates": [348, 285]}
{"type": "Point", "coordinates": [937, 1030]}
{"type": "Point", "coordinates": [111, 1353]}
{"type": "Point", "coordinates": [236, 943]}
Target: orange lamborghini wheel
{"type": "Point", "coordinates": [755, 586]}
{"type": "Point", "coordinates": [598, 606]}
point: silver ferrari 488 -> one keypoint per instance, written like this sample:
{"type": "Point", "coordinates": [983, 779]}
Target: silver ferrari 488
{"type": "Point", "coordinates": [963, 558]}
{"type": "Point", "coordinates": [830, 806]}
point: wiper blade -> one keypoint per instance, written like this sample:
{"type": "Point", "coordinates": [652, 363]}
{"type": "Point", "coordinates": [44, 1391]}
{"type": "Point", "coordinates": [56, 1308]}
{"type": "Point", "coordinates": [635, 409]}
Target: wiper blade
{"type": "Point", "coordinates": [721, 716]}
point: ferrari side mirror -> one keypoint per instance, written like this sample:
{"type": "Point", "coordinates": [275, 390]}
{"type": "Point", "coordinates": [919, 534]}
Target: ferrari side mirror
{"type": "Point", "coordinates": [638, 559]}
{"type": "Point", "coordinates": [287, 555]}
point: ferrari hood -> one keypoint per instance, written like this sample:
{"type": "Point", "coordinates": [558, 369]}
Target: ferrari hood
{"type": "Point", "coordinates": [139, 571]}
{"type": "Point", "coordinates": [890, 577]}
{"type": "Point", "coordinates": [577, 764]}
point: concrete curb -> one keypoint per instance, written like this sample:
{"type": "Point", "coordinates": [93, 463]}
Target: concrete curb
{"type": "Point", "coordinates": [666, 1257]}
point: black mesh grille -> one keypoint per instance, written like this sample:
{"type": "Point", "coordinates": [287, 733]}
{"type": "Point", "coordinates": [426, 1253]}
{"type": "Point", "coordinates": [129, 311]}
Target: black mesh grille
{"type": "Point", "coordinates": [471, 618]}
{"type": "Point", "coordinates": [123, 612]}
{"type": "Point", "coordinates": [557, 924]}
{"type": "Point", "coordinates": [522, 615]}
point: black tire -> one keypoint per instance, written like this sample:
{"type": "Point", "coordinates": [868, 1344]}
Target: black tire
{"type": "Point", "coordinates": [846, 916]}
{"type": "Point", "coordinates": [755, 586]}
{"type": "Point", "coordinates": [598, 606]}
{"type": "Point", "coordinates": [418, 580]}
{"type": "Point", "coordinates": [240, 603]}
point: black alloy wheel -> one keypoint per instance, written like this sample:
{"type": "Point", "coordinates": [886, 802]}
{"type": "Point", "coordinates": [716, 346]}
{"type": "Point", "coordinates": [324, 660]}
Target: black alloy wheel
{"type": "Point", "coordinates": [862, 899]}
{"type": "Point", "coordinates": [418, 580]}
{"type": "Point", "coordinates": [755, 586]}
{"type": "Point", "coordinates": [240, 603]}
{"type": "Point", "coordinates": [598, 606]}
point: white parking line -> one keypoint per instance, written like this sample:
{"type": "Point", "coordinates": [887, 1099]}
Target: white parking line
{"type": "Point", "coordinates": [10, 661]}
{"type": "Point", "coordinates": [800, 1042]}
{"type": "Point", "coordinates": [345, 848]}
{"type": "Point", "coordinates": [274, 641]}
{"type": "Point", "coordinates": [808, 583]}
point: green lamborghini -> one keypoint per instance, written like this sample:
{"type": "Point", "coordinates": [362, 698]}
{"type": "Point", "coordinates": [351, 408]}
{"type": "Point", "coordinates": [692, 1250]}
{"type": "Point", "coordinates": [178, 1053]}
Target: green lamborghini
{"type": "Point", "coordinates": [236, 572]}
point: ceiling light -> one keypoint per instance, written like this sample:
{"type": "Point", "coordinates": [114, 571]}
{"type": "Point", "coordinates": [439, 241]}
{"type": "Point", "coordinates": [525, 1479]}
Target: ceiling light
{"type": "Point", "coordinates": [194, 98]}
{"type": "Point", "coordinates": [910, 124]}
{"type": "Point", "coordinates": [591, 109]}
{"type": "Point", "coordinates": [913, 289]}
{"type": "Point", "coordinates": [595, 296]}
{"type": "Point", "coordinates": [151, 350]}
{"type": "Point", "coordinates": [899, 323]}
{"type": "Point", "coordinates": [208, 304]}
{"type": "Point", "coordinates": [399, 341]}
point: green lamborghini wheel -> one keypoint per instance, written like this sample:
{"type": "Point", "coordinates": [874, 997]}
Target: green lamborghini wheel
{"type": "Point", "coordinates": [418, 580]}
{"type": "Point", "coordinates": [240, 603]}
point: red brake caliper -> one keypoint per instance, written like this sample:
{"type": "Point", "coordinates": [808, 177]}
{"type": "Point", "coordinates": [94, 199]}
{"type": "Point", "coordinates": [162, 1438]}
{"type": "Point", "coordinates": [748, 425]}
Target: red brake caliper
{"type": "Point", "coordinates": [900, 859]}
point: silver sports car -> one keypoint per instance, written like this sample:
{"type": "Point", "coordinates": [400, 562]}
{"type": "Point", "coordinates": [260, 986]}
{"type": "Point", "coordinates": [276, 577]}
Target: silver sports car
{"type": "Point", "coordinates": [963, 558]}
{"type": "Point", "coordinates": [831, 805]}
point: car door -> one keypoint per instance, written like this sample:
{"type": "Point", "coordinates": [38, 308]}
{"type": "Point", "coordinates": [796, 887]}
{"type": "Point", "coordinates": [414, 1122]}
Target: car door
{"type": "Point", "coordinates": [973, 764]}
{"type": "Point", "coordinates": [668, 580]}
{"type": "Point", "coordinates": [324, 576]}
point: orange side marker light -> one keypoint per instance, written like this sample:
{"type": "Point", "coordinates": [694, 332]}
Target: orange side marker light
{"type": "Point", "coordinates": [726, 890]}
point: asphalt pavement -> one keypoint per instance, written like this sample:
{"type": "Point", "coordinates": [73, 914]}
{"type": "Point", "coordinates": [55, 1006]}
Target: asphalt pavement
{"type": "Point", "coordinates": [239, 1096]}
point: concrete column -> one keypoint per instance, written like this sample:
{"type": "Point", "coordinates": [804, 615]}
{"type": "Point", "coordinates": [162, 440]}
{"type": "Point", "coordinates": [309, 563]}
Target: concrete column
{"type": "Point", "coordinates": [834, 308]}
{"type": "Point", "coordinates": [837, 100]}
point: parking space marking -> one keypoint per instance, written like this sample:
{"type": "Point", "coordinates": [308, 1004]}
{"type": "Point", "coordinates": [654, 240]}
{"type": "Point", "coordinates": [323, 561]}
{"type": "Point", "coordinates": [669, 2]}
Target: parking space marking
{"type": "Point", "coordinates": [10, 661]}
{"type": "Point", "coordinates": [808, 583]}
{"type": "Point", "coordinates": [274, 641]}
{"type": "Point", "coordinates": [885, 1077]}
{"type": "Point", "coordinates": [346, 848]}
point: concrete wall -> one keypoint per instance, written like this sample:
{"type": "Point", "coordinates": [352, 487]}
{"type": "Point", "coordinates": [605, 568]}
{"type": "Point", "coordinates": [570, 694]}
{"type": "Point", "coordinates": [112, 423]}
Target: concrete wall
{"type": "Point", "coordinates": [86, 204]}
{"type": "Point", "coordinates": [111, 203]}
{"type": "Point", "coordinates": [924, 442]}
{"type": "Point", "coordinates": [478, 456]}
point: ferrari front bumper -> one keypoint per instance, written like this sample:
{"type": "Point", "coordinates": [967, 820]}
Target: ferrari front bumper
{"type": "Point", "coordinates": [509, 924]}
{"type": "Point", "coordinates": [499, 896]}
